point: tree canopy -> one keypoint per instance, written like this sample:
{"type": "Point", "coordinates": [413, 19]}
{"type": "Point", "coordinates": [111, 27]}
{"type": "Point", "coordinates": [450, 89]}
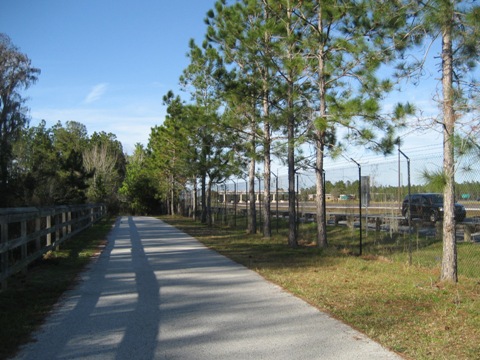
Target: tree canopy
{"type": "Point", "coordinates": [16, 74]}
{"type": "Point", "coordinates": [269, 77]}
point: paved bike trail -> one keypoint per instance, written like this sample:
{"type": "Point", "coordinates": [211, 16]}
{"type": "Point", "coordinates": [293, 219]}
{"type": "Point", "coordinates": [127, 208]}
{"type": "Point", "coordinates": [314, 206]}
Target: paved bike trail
{"type": "Point", "coordinates": [157, 293]}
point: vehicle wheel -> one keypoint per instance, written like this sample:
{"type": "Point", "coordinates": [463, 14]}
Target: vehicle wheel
{"type": "Point", "coordinates": [433, 216]}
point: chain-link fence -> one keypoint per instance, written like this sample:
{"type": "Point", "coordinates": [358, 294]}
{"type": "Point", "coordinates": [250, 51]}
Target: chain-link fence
{"type": "Point", "coordinates": [372, 193]}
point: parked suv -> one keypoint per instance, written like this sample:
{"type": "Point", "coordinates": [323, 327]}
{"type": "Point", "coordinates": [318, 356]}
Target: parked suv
{"type": "Point", "coordinates": [429, 206]}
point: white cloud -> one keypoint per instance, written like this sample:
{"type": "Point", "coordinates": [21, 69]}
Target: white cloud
{"type": "Point", "coordinates": [96, 93]}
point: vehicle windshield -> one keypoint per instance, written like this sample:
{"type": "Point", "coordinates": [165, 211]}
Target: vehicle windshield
{"type": "Point", "coordinates": [435, 199]}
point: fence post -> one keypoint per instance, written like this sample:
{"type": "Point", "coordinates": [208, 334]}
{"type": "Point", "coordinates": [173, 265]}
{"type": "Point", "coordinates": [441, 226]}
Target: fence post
{"type": "Point", "coordinates": [359, 202]}
{"type": "Point", "coordinates": [57, 231]}
{"type": "Point", "coordinates": [28, 243]}
{"type": "Point", "coordinates": [38, 222]}
{"type": "Point", "coordinates": [4, 257]}
{"type": "Point", "coordinates": [467, 233]}
{"type": "Point", "coordinates": [23, 236]}
{"type": "Point", "coordinates": [439, 230]}
{"type": "Point", "coordinates": [409, 207]}
{"type": "Point", "coordinates": [69, 219]}
{"type": "Point", "coordinates": [48, 226]}
{"type": "Point", "coordinates": [64, 225]}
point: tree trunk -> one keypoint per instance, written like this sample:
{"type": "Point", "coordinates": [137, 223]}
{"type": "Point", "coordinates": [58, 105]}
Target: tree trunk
{"type": "Point", "coordinates": [292, 213]}
{"type": "Point", "coordinates": [320, 180]}
{"type": "Point", "coordinates": [267, 226]}
{"type": "Point", "coordinates": [204, 199]}
{"type": "Point", "coordinates": [252, 222]}
{"type": "Point", "coordinates": [449, 260]}
{"type": "Point", "coordinates": [267, 142]}
{"type": "Point", "coordinates": [4, 161]}
{"type": "Point", "coordinates": [194, 200]}
{"type": "Point", "coordinates": [209, 204]}
{"type": "Point", "coordinates": [172, 196]}
{"type": "Point", "coordinates": [320, 144]}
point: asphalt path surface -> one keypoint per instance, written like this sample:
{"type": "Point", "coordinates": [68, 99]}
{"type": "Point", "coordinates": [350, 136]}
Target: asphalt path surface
{"type": "Point", "coordinates": [157, 293]}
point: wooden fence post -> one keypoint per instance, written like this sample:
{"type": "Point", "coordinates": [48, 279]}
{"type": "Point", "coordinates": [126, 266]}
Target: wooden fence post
{"type": "Point", "coordinates": [23, 236]}
{"type": "Point", "coordinates": [4, 256]}
{"type": "Point", "coordinates": [19, 247]}
{"type": "Point", "coordinates": [48, 226]}
{"type": "Point", "coordinates": [57, 231]}
{"type": "Point", "coordinates": [38, 222]}
{"type": "Point", "coordinates": [64, 225]}
{"type": "Point", "coordinates": [69, 219]}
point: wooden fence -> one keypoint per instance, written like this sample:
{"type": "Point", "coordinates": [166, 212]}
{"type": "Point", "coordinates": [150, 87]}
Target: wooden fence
{"type": "Point", "coordinates": [26, 234]}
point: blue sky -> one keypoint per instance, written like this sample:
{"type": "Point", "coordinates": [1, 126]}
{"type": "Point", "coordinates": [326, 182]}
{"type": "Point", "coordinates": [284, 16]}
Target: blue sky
{"type": "Point", "coordinates": [104, 63]}
{"type": "Point", "coordinates": [107, 64]}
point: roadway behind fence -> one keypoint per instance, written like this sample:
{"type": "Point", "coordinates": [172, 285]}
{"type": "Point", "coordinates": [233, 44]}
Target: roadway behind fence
{"type": "Point", "coordinates": [385, 231]}
{"type": "Point", "coordinates": [26, 234]}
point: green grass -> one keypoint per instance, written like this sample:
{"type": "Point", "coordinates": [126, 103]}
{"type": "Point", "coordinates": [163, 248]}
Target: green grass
{"type": "Point", "coordinates": [401, 306]}
{"type": "Point", "coordinates": [30, 297]}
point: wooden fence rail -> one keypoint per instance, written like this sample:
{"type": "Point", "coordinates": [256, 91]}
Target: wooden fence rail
{"type": "Point", "coordinates": [26, 234]}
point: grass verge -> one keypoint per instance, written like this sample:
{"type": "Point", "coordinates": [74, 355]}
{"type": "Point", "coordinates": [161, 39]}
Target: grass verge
{"type": "Point", "coordinates": [29, 298]}
{"type": "Point", "coordinates": [402, 307]}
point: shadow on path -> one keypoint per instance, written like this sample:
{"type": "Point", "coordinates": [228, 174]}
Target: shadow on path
{"type": "Point", "coordinates": [157, 293]}
{"type": "Point", "coordinates": [113, 313]}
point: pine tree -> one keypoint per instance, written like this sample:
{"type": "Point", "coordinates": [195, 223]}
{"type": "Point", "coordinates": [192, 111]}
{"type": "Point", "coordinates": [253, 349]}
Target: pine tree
{"type": "Point", "coordinates": [329, 54]}
{"type": "Point", "coordinates": [213, 141]}
{"type": "Point", "coordinates": [242, 33]}
{"type": "Point", "coordinates": [457, 23]}
{"type": "Point", "coordinates": [456, 26]}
